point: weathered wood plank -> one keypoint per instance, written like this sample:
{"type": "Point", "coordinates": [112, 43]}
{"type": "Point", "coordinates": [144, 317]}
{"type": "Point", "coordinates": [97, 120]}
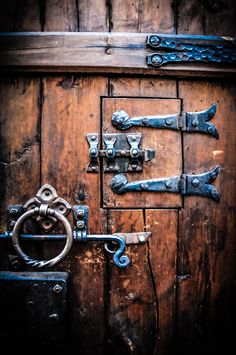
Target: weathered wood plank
{"type": "Point", "coordinates": [190, 16]}
{"type": "Point", "coordinates": [20, 15]}
{"type": "Point", "coordinates": [166, 144]}
{"type": "Point", "coordinates": [19, 145]}
{"type": "Point", "coordinates": [132, 307]}
{"type": "Point", "coordinates": [60, 16]}
{"type": "Point", "coordinates": [142, 16]}
{"type": "Point", "coordinates": [96, 52]}
{"type": "Point", "coordinates": [93, 15]}
{"type": "Point", "coordinates": [163, 224]}
{"type": "Point", "coordinates": [220, 17]}
{"type": "Point", "coordinates": [72, 109]}
{"type": "Point", "coordinates": [206, 254]}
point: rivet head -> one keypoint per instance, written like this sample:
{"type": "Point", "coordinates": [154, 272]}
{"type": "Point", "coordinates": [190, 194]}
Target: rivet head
{"type": "Point", "coordinates": [168, 184]}
{"type": "Point", "coordinates": [215, 194]}
{"type": "Point", "coordinates": [80, 224]}
{"type": "Point", "coordinates": [157, 59]}
{"type": "Point", "coordinates": [134, 151]}
{"type": "Point", "coordinates": [80, 213]}
{"type": "Point", "coordinates": [93, 151]}
{"type": "Point", "coordinates": [211, 129]}
{"type": "Point", "coordinates": [213, 175]}
{"type": "Point", "coordinates": [109, 151]}
{"type": "Point", "coordinates": [145, 121]}
{"type": "Point", "coordinates": [12, 224]}
{"type": "Point", "coordinates": [134, 139]}
{"type": "Point", "coordinates": [195, 122]}
{"type": "Point", "coordinates": [53, 317]}
{"type": "Point", "coordinates": [154, 40]}
{"type": "Point", "coordinates": [195, 182]}
{"type": "Point", "coordinates": [141, 238]}
{"type": "Point", "coordinates": [169, 121]}
{"type": "Point", "coordinates": [144, 186]}
{"type": "Point", "coordinates": [57, 288]}
{"type": "Point", "coordinates": [122, 152]}
{"type": "Point", "coordinates": [93, 138]}
{"type": "Point", "coordinates": [13, 211]}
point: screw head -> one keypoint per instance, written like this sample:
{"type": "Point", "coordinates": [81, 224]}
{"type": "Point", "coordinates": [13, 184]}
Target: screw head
{"type": "Point", "coordinates": [80, 224]}
{"type": "Point", "coordinates": [93, 138]}
{"type": "Point", "coordinates": [122, 152]}
{"type": "Point", "coordinates": [134, 139]}
{"type": "Point", "coordinates": [213, 175]}
{"type": "Point", "coordinates": [93, 151]}
{"type": "Point", "coordinates": [12, 224]}
{"type": "Point", "coordinates": [215, 194]}
{"type": "Point", "coordinates": [57, 288]}
{"type": "Point", "coordinates": [195, 182]}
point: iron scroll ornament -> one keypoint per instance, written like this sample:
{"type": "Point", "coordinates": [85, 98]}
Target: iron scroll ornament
{"type": "Point", "coordinates": [186, 184]}
{"type": "Point", "coordinates": [190, 49]}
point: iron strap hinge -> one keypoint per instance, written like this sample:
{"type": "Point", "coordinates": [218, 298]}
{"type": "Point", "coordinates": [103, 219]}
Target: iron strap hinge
{"type": "Point", "coordinates": [185, 184]}
{"type": "Point", "coordinates": [190, 48]}
{"type": "Point", "coordinates": [194, 122]}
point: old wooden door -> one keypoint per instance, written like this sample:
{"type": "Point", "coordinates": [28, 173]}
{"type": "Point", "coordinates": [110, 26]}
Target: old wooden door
{"type": "Point", "coordinates": [178, 294]}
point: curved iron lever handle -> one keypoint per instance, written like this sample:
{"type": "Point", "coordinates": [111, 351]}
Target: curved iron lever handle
{"type": "Point", "coordinates": [187, 121]}
{"type": "Point", "coordinates": [186, 184]}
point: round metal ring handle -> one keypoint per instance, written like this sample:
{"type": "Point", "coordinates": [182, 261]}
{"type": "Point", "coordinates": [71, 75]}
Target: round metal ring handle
{"type": "Point", "coordinates": [42, 263]}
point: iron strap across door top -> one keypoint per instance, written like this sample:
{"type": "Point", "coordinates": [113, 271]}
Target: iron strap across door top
{"type": "Point", "coordinates": [205, 49]}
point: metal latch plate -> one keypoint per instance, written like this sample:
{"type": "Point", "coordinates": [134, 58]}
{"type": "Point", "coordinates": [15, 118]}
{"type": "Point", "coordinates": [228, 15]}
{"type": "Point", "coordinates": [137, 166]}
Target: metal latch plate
{"type": "Point", "coordinates": [33, 305]}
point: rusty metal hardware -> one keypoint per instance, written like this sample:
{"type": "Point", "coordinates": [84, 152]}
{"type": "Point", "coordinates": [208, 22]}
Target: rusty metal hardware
{"type": "Point", "coordinates": [38, 207]}
{"type": "Point", "coordinates": [189, 48]}
{"type": "Point", "coordinates": [194, 122]}
{"type": "Point", "coordinates": [33, 305]}
{"type": "Point", "coordinates": [122, 152]}
{"type": "Point", "coordinates": [186, 184]}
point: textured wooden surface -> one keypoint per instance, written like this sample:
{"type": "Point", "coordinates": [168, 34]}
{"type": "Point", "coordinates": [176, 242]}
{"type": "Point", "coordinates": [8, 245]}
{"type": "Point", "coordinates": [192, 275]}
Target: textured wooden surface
{"type": "Point", "coordinates": [92, 52]}
{"type": "Point", "coordinates": [178, 297]}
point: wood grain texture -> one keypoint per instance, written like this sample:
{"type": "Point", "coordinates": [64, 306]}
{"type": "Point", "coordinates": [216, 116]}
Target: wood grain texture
{"type": "Point", "coordinates": [190, 16]}
{"type": "Point", "coordinates": [220, 17]}
{"type": "Point", "coordinates": [206, 255]}
{"type": "Point", "coordinates": [131, 303]}
{"type": "Point", "coordinates": [19, 146]}
{"type": "Point", "coordinates": [72, 109]}
{"type": "Point", "coordinates": [96, 52]}
{"type": "Point", "coordinates": [167, 146]}
{"type": "Point", "coordinates": [93, 15]}
{"type": "Point", "coordinates": [142, 16]}
{"type": "Point", "coordinates": [23, 15]}
{"type": "Point", "coordinates": [163, 224]}
{"type": "Point", "coordinates": [60, 16]}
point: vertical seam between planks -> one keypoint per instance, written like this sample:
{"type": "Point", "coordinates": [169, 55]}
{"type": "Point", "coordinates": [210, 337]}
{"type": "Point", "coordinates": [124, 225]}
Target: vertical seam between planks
{"type": "Point", "coordinates": [176, 321]}
{"type": "Point", "coordinates": [40, 120]}
{"type": "Point", "coordinates": [42, 8]}
{"type": "Point", "coordinates": [109, 14]}
{"type": "Point", "coordinates": [107, 293]}
{"type": "Point", "coordinates": [153, 285]}
{"type": "Point", "coordinates": [77, 11]}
